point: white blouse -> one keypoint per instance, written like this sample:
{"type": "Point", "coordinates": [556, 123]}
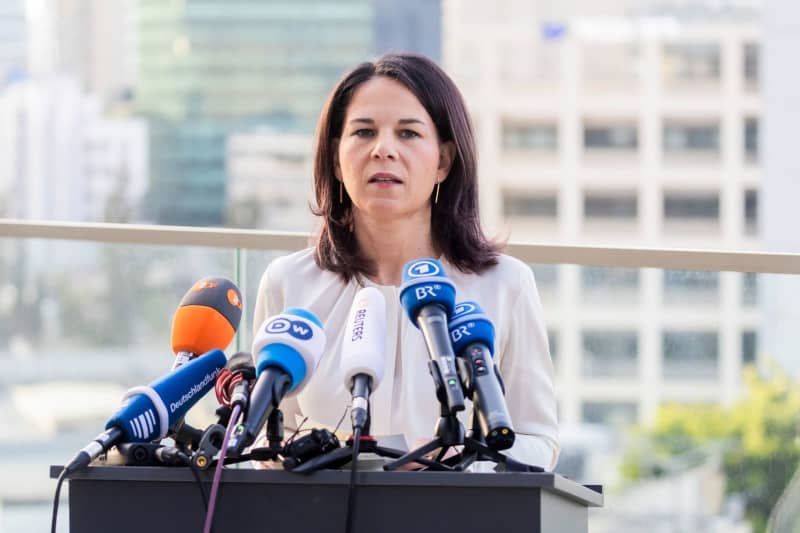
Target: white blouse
{"type": "Point", "coordinates": [405, 402]}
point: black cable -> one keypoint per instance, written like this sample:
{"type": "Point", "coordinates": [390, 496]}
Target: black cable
{"type": "Point", "coordinates": [351, 490]}
{"type": "Point", "coordinates": [199, 481]}
{"type": "Point", "coordinates": [61, 477]}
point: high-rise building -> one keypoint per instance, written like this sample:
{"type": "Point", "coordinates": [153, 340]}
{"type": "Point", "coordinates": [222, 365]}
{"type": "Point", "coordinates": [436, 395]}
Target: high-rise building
{"type": "Point", "coordinates": [410, 26]}
{"type": "Point", "coordinates": [212, 68]}
{"type": "Point", "coordinates": [638, 127]}
{"type": "Point", "coordinates": [13, 41]}
{"type": "Point", "coordinates": [781, 178]}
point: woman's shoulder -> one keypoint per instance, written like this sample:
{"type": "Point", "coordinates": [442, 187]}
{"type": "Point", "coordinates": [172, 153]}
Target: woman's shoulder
{"type": "Point", "coordinates": [292, 267]}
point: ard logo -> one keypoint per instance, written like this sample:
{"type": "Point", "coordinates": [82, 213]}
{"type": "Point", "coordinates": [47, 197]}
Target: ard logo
{"type": "Point", "coordinates": [423, 268]}
{"type": "Point", "coordinates": [464, 309]}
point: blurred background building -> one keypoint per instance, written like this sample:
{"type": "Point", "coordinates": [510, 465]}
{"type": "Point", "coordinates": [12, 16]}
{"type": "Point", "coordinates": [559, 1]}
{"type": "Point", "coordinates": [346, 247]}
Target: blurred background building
{"type": "Point", "coordinates": [619, 122]}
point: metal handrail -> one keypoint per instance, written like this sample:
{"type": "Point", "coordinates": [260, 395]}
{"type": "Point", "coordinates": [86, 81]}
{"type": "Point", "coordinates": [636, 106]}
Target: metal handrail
{"type": "Point", "coordinates": [606, 256]}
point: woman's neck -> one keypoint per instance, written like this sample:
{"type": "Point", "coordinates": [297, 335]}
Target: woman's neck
{"type": "Point", "coordinates": [390, 244]}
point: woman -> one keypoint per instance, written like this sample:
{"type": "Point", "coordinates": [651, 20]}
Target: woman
{"type": "Point", "coordinates": [395, 180]}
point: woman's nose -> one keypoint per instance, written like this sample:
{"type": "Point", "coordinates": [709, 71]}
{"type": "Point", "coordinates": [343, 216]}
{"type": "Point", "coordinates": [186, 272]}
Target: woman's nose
{"type": "Point", "coordinates": [385, 147]}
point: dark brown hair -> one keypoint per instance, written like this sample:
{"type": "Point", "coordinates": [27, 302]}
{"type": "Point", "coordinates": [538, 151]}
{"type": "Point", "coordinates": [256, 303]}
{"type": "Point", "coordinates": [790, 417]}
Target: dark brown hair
{"type": "Point", "coordinates": [455, 223]}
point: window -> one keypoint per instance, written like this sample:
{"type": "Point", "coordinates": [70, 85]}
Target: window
{"type": "Point", "coordinates": [552, 340]}
{"type": "Point", "coordinates": [610, 137]}
{"type": "Point", "coordinates": [516, 204]}
{"type": "Point", "coordinates": [749, 347]}
{"type": "Point", "coordinates": [691, 62]}
{"type": "Point", "coordinates": [691, 138]}
{"type": "Point", "coordinates": [750, 65]}
{"type": "Point", "coordinates": [751, 212]}
{"type": "Point", "coordinates": [609, 286]}
{"type": "Point", "coordinates": [529, 137]}
{"type": "Point", "coordinates": [617, 414]}
{"type": "Point", "coordinates": [607, 205]}
{"type": "Point", "coordinates": [691, 206]}
{"type": "Point", "coordinates": [610, 354]}
{"type": "Point", "coordinates": [690, 355]}
{"type": "Point", "coordinates": [546, 276]}
{"type": "Point", "coordinates": [611, 64]}
{"type": "Point", "coordinates": [688, 287]}
{"type": "Point", "coordinates": [750, 289]}
{"type": "Point", "coordinates": [751, 139]}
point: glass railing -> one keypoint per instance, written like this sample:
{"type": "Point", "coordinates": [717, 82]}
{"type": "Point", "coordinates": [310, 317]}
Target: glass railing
{"type": "Point", "coordinates": [636, 335]}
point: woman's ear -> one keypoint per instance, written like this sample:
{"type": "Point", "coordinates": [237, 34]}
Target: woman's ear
{"type": "Point", "coordinates": [337, 170]}
{"type": "Point", "coordinates": [447, 154]}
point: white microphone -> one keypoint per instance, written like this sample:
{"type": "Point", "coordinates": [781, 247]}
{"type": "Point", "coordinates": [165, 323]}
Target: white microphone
{"type": "Point", "coordinates": [362, 352]}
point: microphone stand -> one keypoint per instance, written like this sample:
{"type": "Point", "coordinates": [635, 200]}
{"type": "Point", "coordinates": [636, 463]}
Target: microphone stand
{"type": "Point", "coordinates": [450, 432]}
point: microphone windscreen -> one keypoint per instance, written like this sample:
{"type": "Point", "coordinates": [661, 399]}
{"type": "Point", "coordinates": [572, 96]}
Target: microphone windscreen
{"type": "Point", "coordinates": [148, 412]}
{"type": "Point", "coordinates": [292, 341]}
{"type": "Point", "coordinates": [425, 283]}
{"type": "Point", "coordinates": [207, 317]}
{"type": "Point", "coordinates": [364, 337]}
{"type": "Point", "coordinates": [470, 324]}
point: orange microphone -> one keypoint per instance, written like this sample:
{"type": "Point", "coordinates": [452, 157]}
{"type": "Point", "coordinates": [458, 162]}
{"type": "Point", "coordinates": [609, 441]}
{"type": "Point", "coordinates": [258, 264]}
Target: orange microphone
{"type": "Point", "coordinates": [206, 319]}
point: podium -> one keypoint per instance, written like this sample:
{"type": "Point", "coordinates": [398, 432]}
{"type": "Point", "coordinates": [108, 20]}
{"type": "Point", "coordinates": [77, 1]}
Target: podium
{"type": "Point", "coordinates": [132, 499]}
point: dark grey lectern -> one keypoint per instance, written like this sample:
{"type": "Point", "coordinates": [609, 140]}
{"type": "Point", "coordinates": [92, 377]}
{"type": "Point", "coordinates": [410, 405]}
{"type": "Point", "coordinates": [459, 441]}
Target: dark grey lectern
{"type": "Point", "coordinates": [132, 499]}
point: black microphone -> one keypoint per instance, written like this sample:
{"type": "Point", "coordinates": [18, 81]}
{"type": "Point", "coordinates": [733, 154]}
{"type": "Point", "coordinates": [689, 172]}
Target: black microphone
{"type": "Point", "coordinates": [288, 347]}
{"type": "Point", "coordinates": [472, 334]}
{"type": "Point", "coordinates": [429, 297]}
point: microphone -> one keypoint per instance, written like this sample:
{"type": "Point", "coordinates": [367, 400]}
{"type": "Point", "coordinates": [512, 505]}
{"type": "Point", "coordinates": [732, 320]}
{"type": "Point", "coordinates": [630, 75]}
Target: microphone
{"type": "Point", "coordinates": [233, 382]}
{"type": "Point", "coordinates": [362, 352]}
{"type": "Point", "coordinates": [428, 298]}
{"type": "Point", "coordinates": [288, 348]}
{"type": "Point", "coordinates": [147, 413]}
{"type": "Point", "coordinates": [207, 318]}
{"type": "Point", "coordinates": [472, 334]}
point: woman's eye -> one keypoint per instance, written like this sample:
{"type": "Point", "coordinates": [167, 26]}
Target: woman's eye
{"type": "Point", "coordinates": [409, 133]}
{"type": "Point", "coordinates": [363, 132]}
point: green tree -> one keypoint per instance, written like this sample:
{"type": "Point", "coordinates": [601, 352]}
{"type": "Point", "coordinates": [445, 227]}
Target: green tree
{"type": "Point", "coordinates": [759, 437]}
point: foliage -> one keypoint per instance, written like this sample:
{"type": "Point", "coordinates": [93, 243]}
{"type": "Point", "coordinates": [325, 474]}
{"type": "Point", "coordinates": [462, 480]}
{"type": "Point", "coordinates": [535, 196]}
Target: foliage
{"type": "Point", "coordinates": [759, 437]}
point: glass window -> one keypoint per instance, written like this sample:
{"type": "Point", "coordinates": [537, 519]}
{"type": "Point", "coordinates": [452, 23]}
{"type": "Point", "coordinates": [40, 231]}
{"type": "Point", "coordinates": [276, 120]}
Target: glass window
{"type": "Point", "coordinates": [751, 212]}
{"type": "Point", "coordinates": [692, 62]}
{"type": "Point", "coordinates": [750, 65]}
{"type": "Point", "coordinates": [610, 205]}
{"type": "Point", "coordinates": [610, 354]}
{"type": "Point", "coordinates": [610, 137]}
{"type": "Point", "coordinates": [516, 204]}
{"type": "Point", "coordinates": [690, 355]}
{"type": "Point", "coordinates": [692, 138]}
{"type": "Point", "coordinates": [546, 276]}
{"type": "Point", "coordinates": [750, 289]}
{"type": "Point", "coordinates": [688, 287]}
{"type": "Point", "coordinates": [691, 206]}
{"type": "Point", "coordinates": [618, 414]}
{"type": "Point", "coordinates": [749, 347]}
{"type": "Point", "coordinates": [529, 137]}
{"type": "Point", "coordinates": [751, 139]}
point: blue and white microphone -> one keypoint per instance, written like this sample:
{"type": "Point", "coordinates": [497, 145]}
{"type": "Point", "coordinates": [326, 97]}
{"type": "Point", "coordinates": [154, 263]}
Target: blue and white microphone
{"type": "Point", "coordinates": [287, 349]}
{"type": "Point", "coordinates": [428, 297]}
{"type": "Point", "coordinates": [472, 333]}
{"type": "Point", "coordinates": [148, 413]}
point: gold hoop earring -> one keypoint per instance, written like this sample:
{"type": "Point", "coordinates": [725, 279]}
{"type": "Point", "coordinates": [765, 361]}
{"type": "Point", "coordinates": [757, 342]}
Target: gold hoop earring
{"type": "Point", "coordinates": [436, 198]}
{"type": "Point", "coordinates": [341, 193]}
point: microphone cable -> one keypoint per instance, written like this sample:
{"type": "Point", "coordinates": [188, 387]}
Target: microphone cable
{"type": "Point", "coordinates": [212, 499]}
{"type": "Point", "coordinates": [61, 478]}
{"type": "Point", "coordinates": [351, 489]}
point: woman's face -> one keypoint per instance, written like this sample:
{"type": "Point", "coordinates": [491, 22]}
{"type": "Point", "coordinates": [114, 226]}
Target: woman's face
{"type": "Point", "coordinates": [389, 156]}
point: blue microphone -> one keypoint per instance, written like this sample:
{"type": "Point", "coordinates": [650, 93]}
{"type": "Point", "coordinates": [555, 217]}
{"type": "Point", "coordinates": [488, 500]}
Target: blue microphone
{"type": "Point", "coordinates": [472, 333]}
{"type": "Point", "coordinates": [147, 413]}
{"type": "Point", "coordinates": [428, 297]}
{"type": "Point", "coordinates": [287, 349]}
